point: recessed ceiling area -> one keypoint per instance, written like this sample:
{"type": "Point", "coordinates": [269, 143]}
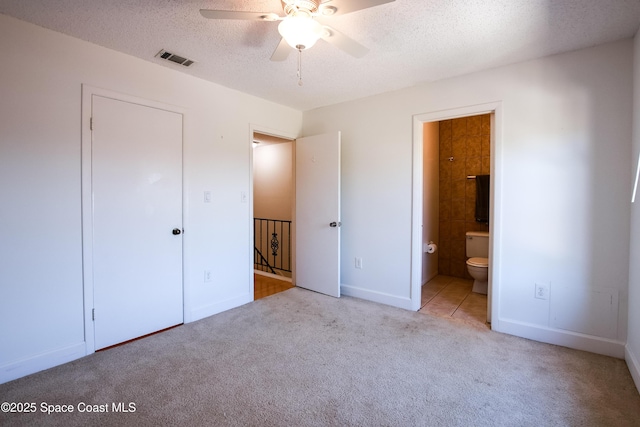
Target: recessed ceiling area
{"type": "Point", "coordinates": [410, 41]}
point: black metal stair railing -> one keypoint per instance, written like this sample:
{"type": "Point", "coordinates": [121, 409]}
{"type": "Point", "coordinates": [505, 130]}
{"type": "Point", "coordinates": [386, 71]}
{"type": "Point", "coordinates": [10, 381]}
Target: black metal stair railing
{"type": "Point", "coordinates": [262, 261]}
{"type": "Point", "coordinates": [272, 245]}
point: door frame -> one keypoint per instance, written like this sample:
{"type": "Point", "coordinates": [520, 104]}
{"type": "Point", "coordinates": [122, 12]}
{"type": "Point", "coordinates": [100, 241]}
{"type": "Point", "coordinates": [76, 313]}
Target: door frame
{"type": "Point", "coordinates": [283, 135]}
{"type": "Point", "coordinates": [87, 205]}
{"type": "Point", "coordinates": [495, 109]}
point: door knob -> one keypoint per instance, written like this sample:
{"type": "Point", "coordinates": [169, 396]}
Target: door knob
{"type": "Point", "coordinates": [176, 231]}
{"type": "Point", "coordinates": [335, 224]}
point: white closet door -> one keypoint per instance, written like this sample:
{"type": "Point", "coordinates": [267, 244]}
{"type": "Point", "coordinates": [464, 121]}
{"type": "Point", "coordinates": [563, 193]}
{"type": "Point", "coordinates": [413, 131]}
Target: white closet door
{"type": "Point", "coordinates": [136, 167]}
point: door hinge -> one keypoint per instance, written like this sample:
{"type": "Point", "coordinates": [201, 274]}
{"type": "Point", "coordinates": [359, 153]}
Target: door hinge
{"type": "Point", "coordinates": [93, 314]}
{"type": "Point", "coordinates": [90, 123]}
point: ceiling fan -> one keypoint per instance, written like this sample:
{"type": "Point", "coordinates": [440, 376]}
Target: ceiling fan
{"type": "Point", "coordinates": [303, 24]}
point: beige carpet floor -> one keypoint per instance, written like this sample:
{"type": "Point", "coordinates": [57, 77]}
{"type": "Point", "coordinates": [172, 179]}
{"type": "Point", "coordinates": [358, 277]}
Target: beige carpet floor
{"type": "Point", "coordinates": [303, 359]}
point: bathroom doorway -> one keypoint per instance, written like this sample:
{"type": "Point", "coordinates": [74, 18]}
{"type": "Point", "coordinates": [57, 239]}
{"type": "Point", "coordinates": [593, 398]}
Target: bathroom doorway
{"type": "Point", "coordinates": [450, 150]}
{"type": "Point", "coordinates": [455, 151]}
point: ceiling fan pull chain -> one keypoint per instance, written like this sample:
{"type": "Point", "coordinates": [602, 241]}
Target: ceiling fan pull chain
{"type": "Point", "coordinates": [299, 66]}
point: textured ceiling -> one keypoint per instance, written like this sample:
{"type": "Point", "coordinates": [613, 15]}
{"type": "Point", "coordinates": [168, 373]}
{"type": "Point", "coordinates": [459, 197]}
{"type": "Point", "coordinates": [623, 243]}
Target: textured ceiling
{"type": "Point", "coordinates": [410, 41]}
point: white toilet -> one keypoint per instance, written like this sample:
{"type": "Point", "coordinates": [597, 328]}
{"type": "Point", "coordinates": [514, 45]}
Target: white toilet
{"type": "Point", "coordinates": [478, 262]}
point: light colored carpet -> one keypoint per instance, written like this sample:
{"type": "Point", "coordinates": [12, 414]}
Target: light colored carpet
{"type": "Point", "coordinates": [303, 359]}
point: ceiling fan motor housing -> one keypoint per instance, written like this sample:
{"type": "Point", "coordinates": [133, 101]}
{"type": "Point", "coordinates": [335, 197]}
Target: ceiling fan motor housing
{"type": "Point", "coordinates": [291, 7]}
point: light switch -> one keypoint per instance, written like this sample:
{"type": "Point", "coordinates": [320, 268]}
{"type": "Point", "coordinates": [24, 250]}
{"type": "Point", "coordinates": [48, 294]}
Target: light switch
{"type": "Point", "coordinates": [207, 196]}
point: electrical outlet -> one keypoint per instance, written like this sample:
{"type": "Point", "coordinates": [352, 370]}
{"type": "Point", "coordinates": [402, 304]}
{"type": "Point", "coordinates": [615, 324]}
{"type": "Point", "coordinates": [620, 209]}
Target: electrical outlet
{"type": "Point", "coordinates": [359, 263]}
{"type": "Point", "coordinates": [207, 276]}
{"type": "Point", "coordinates": [542, 291]}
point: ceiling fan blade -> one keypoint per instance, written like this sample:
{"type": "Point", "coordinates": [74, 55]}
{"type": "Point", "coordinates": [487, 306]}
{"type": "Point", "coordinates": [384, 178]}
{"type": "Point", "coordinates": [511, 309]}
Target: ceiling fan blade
{"type": "Point", "coordinates": [341, 7]}
{"type": "Point", "coordinates": [236, 14]}
{"type": "Point", "coordinates": [282, 51]}
{"type": "Point", "coordinates": [344, 43]}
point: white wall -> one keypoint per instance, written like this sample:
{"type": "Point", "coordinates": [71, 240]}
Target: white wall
{"type": "Point", "coordinates": [431, 195]}
{"type": "Point", "coordinates": [564, 173]}
{"type": "Point", "coordinates": [633, 341]}
{"type": "Point", "coordinates": [273, 181]}
{"type": "Point", "coordinates": [41, 302]}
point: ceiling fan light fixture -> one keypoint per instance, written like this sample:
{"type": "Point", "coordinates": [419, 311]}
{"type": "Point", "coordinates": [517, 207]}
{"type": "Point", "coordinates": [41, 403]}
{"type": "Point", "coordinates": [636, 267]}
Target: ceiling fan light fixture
{"type": "Point", "coordinates": [300, 31]}
{"type": "Point", "coordinates": [292, 6]}
{"type": "Point", "coordinates": [328, 10]}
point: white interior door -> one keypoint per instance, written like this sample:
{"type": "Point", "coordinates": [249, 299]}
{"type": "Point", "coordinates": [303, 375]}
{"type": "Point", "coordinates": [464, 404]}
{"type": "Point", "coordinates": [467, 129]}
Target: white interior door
{"type": "Point", "coordinates": [318, 213]}
{"type": "Point", "coordinates": [136, 173]}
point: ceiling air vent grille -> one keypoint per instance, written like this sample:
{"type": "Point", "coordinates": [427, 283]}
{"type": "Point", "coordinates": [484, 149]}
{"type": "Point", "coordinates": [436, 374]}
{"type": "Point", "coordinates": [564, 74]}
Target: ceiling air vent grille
{"type": "Point", "coordinates": [163, 54]}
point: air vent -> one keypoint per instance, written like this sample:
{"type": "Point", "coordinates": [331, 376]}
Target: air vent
{"type": "Point", "coordinates": [174, 58]}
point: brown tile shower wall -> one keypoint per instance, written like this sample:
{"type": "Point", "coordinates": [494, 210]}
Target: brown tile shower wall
{"type": "Point", "coordinates": [464, 150]}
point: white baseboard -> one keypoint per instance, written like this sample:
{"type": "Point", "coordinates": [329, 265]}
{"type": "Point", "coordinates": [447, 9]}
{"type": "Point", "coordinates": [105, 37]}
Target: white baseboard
{"type": "Point", "coordinates": [40, 362]}
{"type": "Point", "coordinates": [578, 341]}
{"type": "Point", "coordinates": [634, 366]}
{"type": "Point", "coordinates": [219, 307]}
{"type": "Point", "coordinates": [374, 296]}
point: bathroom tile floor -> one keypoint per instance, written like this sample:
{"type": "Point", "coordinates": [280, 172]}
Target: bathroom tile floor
{"type": "Point", "coordinates": [446, 296]}
{"type": "Point", "coordinates": [265, 286]}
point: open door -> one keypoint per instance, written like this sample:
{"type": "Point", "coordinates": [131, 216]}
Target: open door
{"type": "Point", "coordinates": [317, 240]}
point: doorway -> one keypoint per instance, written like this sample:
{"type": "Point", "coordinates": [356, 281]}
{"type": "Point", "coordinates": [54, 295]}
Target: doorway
{"type": "Point", "coordinates": [315, 214]}
{"type": "Point", "coordinates": [455, 152]}
{"type": "Point", "coordinates": [454, 192]}
{"type": "Point", "coordinates": [273, 201]}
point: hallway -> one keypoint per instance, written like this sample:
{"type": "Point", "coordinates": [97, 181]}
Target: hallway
{"type": "Point", "coordinates": [265, 286]}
